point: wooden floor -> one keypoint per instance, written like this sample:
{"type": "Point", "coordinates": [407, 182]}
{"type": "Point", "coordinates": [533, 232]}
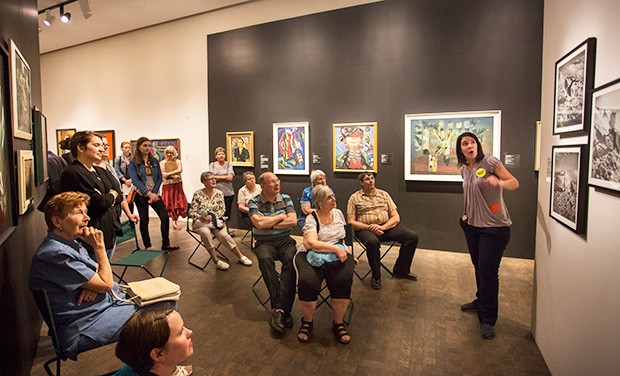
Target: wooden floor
{"type": "Point", "coordinates": [406, 328]}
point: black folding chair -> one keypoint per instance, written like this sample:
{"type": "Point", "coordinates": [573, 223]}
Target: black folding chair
{"type": "Point", "coordinates": [139, 257]}
{"type": "Point", "coordinates": [249, 232]}
{"type": "Point", "coordinates": [197, 238]}
{"type": "Point", "coordinates": [390, 244]}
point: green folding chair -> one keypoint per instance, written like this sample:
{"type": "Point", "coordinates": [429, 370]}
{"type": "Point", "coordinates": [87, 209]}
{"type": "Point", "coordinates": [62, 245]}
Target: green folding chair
{"type": "Point", "coordinates": [139, 257]}
{"type": "Point", "coordinates": [42, 300]}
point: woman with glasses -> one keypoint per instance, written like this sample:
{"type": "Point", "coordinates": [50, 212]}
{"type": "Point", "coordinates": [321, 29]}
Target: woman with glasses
{"type": "Point", "coordinates": [79, 288]}
{"type": "Point", "coordinates": [84, 175]}
{"type": "Point", "coordinates": [154, 341]}
{"type": "Point", "coordinates": [172, 186]}
{"type": "Point", "coordinates": [147, 178]}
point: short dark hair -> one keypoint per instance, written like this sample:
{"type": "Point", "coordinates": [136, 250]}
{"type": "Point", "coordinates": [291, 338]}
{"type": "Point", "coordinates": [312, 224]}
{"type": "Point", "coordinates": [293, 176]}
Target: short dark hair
{"type": "Point", "coordinates": [362, 175]}
{"type": "Point", "coordinates": [462, 161]}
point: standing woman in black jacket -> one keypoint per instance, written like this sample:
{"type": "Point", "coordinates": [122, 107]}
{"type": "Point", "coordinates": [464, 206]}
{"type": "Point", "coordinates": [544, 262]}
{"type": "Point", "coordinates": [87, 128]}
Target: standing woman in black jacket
{"type": "Point", "coordinates": [83, 176]}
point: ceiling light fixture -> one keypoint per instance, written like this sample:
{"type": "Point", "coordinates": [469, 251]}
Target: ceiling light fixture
{"type": "Point", "coordinates": [85, 7]}
{"type": "Point", "coordinates": [64, 17]}
{"type": "Point", "coordinates": [49, 19]}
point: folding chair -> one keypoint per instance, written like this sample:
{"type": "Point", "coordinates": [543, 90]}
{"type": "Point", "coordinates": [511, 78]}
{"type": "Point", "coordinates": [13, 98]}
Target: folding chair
{"type": "Point", "coordinates": [139, 257]}
{"type": "Point", "coordinates": [249, 232]}
{"type": "Point", "coordinates": [197, 238]}
{"type": "Point", "coordinates": [390, 244]}
{"type": "Point", "coordinates": [262, 302]}
{"type": "Point", "coordinates": [41, 298]}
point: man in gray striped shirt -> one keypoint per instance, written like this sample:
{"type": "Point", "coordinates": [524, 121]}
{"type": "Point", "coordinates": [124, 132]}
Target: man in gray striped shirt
{"type": "Point", "coordinates": [273, 215]}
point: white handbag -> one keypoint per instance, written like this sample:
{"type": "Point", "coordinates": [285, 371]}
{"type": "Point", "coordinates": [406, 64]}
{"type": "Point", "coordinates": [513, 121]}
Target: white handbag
{"type": "Point", "coordinates": [150, 291]}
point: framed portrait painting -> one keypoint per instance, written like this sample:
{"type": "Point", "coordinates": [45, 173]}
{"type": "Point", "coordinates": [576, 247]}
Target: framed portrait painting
{"type": "Point", "coordinates": [574, 81]}
{"type": "Point", "coordinates": [430, 142]}
{"type": "Point", "coordinates": [240, 148]}
{"type": "Point", "coordinates": [25, 181]}
{"type": "Point", "coordinates": [7, 190]}
{"type": "Point", "coordinates": [39, 141]}
{"type": "Point", "coordinates": [605, 137]}
{"type": "Point", "coordinates": [355, 147]}
{"type": "Point", "coordinates": [111, 137]}
{"type": "Point", "coordinates": [21, 87]}
{"type": "Point", "coordinates": [61, 135]}
{"type": "Point", "coordinates": [291, 143]}
{"type": "Point", "coordinates": [568, 191]}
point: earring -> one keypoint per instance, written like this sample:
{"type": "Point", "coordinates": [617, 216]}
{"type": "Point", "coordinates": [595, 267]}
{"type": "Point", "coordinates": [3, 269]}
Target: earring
{"type": "Point", "coordinates": [60, 229]}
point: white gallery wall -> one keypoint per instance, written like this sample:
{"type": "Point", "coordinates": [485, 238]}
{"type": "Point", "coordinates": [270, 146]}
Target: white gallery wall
{"type": "Point", "coordinates": [153, 82]}
{"type": "Point", "coordinates": [577, 318]}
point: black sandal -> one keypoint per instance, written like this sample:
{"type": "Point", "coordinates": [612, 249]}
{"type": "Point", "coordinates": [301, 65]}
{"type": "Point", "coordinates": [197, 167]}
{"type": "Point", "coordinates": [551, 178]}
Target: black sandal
{"type": "Point", "coordinates": [340, 330]}
{"type": "Point", "coordinates": [305, 329]}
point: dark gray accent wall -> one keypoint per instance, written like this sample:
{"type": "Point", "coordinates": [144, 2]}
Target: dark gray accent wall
{"type": "Point", "coordinates": [20, 324]}
{"type": "Point", "coordinates": [379, 62]}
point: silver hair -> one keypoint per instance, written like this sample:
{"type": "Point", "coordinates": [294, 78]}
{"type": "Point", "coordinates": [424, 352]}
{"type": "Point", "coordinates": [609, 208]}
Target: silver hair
{"type": "Point", "coordinates": [205, 175]}
{"type": "Point", "coordinates": [315, 174]}
{"type": "Point", "coordinates": [218, 149]}
{"type": "Point", "coordinates": [174, 150]}
{"type": "Point", "coordinates": [248, 173]}
{"type": "Point", "coordinates": [320, 193]}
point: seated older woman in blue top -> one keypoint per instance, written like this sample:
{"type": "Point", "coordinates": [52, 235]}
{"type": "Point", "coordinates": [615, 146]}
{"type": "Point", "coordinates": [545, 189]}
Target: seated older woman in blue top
{"type": "Point", "coordinates": [85, 311]}
{"type": "Point", "coordinates": [317, 177]}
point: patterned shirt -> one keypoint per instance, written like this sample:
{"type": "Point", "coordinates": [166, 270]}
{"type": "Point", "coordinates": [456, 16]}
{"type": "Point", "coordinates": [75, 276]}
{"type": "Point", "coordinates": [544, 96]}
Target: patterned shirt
{"type": "Point", "coordinates": [281, 204]}
{"type": "Point", "coordinates": [371, 209]}
{"type": "Point", "coordinates": [202, 202]}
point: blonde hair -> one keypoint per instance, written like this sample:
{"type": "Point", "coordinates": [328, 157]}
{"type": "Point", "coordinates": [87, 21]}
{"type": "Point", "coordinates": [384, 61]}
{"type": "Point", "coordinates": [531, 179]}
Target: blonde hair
{"type": "Point", "coordinates": [174, 150]}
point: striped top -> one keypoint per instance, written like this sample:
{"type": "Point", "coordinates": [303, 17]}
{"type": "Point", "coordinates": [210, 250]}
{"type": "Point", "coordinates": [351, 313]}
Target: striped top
{"type": "Point", "coordinates": [281, 204]}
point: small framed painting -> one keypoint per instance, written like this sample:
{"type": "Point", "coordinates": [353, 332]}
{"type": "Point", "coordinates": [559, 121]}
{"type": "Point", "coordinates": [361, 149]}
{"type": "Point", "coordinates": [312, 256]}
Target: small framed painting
{"type": "Point", "coordinates": [568, 191]}
{"type": "Point", "coordinates": [355, 147]}
{"type": "Point", "coordinates": [62, 135]}
{"type": "Point", "coordinates": [158, 147]}
{"type": "Point", "coordinates": [25, 171]}
{"type": "Point", "coordinates": [39, 141]}
{"type": "Point", "coordinates": [21, 87]}
{"type": "Point", "coordinates": [291, 144]}
{"type": "Point", "coordinates": [574, 81]}
{"type": "Point", "coordinates": [430, 142]}
{"type": "Point", "coordinates": [110, 136]}
{"type": "Point", "coordinates": [240, 148]}
{"type": "Point", "coordinates": [605, 137]}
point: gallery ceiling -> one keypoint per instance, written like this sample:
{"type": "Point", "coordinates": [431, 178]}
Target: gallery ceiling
{"type": "Point", "coordinates": [113, 17]}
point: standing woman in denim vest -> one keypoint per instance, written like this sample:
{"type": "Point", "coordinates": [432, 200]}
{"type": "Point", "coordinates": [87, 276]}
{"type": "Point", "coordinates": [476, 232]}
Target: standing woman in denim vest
{"type": "Point", "coordinates": [146, 176]}
{"type": "Point", "coordinates": [486, 224]}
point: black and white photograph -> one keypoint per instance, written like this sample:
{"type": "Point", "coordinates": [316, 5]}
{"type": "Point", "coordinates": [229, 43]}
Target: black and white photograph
{"type": "Point", "coordinates": [567, 201]}
{"type": "Point", "coordinates": [574, 80]}
{"type": "Point", "coordinates": [605, 137]}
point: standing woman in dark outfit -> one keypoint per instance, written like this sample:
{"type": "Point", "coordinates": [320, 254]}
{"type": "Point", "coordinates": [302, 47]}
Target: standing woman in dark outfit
{"type": "Point", "coordinates": [486, 224]}
{"type": "Point", "coordinates": [83, 176]}
{"type": "Point", "coordinates": [146, 176]}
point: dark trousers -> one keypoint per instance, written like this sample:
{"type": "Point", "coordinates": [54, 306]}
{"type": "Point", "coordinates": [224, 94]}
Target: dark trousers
{"type": "Point", "coordinates": [408, 242]}
{"type": "Point", "coordinates": [281, 290]}
{"type": "Point", "coordinates": [486, 248]}
{"type": "Point", "coordinates": [142, 203]}
{"type": "Point", "coordinates": [338, 275]}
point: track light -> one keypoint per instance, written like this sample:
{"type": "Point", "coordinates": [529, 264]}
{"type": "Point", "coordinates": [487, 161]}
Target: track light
{"type": "Point", "coordinates": [85, 7]}
{"type": "Point", "coordinates": [49, 19]}
{"type": "Point", "coordinates": [64, 17]}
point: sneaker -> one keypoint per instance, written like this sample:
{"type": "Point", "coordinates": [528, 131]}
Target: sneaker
{"type": "Point", "coordinates": [221, 265]}
{"type": "Point", "coordinates": [375, 283]}
{"type": "Point", "coordinates": [232, 233]}
{"type": "Point", "coordinates": [487, 331]}
{"type": "Point", "coordinates": [245, 261]}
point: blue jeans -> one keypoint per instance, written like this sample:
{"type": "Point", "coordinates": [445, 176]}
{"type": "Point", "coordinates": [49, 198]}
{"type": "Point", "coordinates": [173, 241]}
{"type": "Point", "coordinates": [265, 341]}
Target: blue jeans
{"type": "Point", "coordinates": [486, 248]}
